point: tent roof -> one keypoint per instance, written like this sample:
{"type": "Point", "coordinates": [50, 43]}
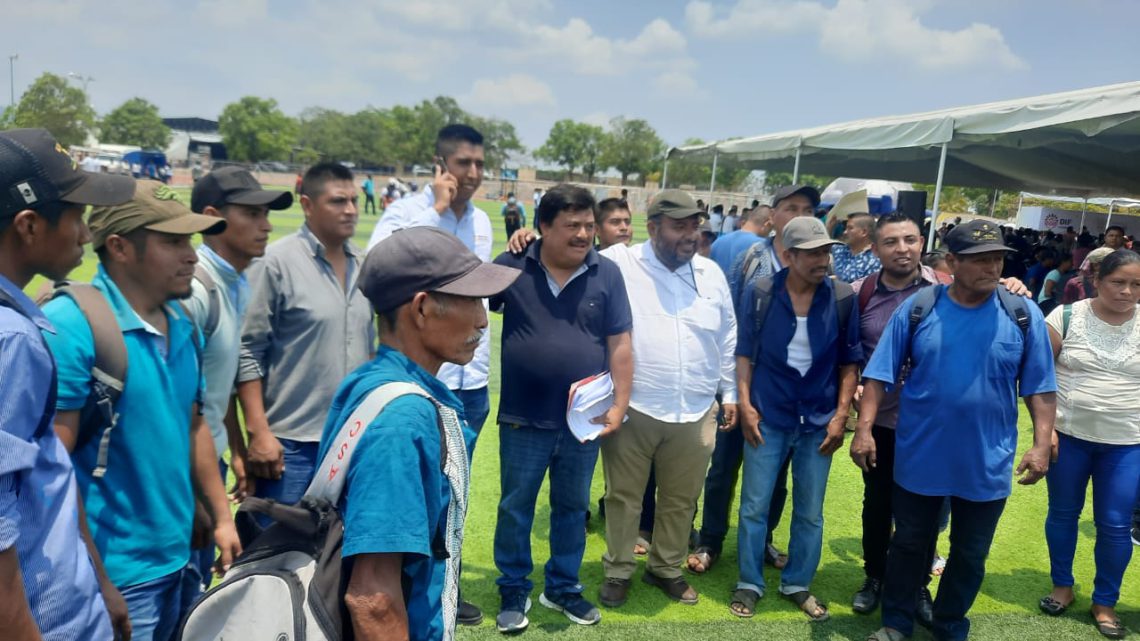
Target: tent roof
{"type": "Point", "coordinates": [1083, 143]}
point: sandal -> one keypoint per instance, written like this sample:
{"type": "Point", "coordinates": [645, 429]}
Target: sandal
{"type": "Point", "coordinates": [886, 634]}
{"type": "Point", "coordinates": [676, 589]}
{"type": "Point", "coordinates": [702, 559]}
{"type": "Point", "coordinates": [743, 603]}
{"type": "Point", "coordinates": [641, 547]}
{"type": "Point", "coordinates": [1111, 628]}
{"type": "Point", "coordinates": [812, 607]}
{"type": "Point", "coordinates": [1052, 606]}
{"type": "Point", "coordinates": [774, 557]}
{"type": "Point", "coordinates": [938, 566]}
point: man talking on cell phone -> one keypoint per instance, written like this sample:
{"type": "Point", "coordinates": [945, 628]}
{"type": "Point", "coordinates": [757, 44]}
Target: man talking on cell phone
{"type": "Point", "coordinates": [447, 204]}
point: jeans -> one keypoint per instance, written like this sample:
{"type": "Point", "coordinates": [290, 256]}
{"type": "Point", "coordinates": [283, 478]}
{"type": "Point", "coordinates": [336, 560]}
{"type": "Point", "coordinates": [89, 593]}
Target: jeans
{"type": "Point", "coordinates": [156, 607]}
{"type": "Point", "coordinates": [525, 455]}
{"type": "Point", "coordinates": [810, 470]}
{"type": "Point", "coordinates": [202, 559]}
{"type": "Point", "coordinates": [878, 490]}
{"type": "Point", "coordinates": [908, 561]}
{"type": "Point", "coordinates": [476, 407]}
{"type": "Point", "coordinates": [370, 204]}
{"type": "Point", "coordinates": [1114, 470]}
{"type": "Point", "coordinates": [300, 465]}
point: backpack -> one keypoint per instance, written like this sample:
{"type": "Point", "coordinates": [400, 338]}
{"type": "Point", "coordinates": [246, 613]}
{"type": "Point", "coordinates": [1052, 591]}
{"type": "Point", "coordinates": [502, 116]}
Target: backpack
{"type": "Point", "coordinates": [924, 301]}
{"type": "Point", "coordinates": [213, 302]}
{"type": "Point", "coordinates": [512, 215]}
{"type": "Point", "coordinates": [842, 293]}
{"type": "Point", "coordinates": [871, 283]}
{"type": "Point", "coordinates": [288, 582]}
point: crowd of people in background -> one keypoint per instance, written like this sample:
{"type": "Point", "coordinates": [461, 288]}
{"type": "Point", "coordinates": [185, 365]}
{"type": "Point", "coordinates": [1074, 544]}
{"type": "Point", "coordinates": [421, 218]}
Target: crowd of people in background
{"type": "Point", "coordinates": [739, 344]}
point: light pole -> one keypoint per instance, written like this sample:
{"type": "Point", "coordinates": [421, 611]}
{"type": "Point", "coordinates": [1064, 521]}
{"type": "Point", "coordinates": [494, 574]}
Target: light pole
{"type": "Point", "coordinates": [81, 78]}
{"type": "Point", "coordinates": [12, 78]}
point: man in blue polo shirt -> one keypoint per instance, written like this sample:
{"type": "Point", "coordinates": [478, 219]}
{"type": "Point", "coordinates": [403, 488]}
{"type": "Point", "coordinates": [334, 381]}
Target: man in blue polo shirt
{"type": "Point", "coordinates": [50, 587]}
{"type": "Point", "coordinates": [800, 371]}
{"type": "Point", "coordinates": [566, 318]}
{"type": "Point", "coordinates": [140, 502]}
{"type": "Point", "coordinates": [956, 436]}
{"type": "Point", "coordinates": [403, 506]}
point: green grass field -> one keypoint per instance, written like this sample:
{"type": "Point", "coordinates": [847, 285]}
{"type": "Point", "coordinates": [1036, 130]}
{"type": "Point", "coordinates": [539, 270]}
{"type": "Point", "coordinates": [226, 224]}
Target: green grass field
{"type": "Point", "coordinates": [1006, 609]}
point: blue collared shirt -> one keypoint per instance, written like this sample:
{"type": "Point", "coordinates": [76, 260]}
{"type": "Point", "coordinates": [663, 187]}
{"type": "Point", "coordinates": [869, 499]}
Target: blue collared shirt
{"type": "Point", "coordinates": [851, 267]}
{"type": "Point", "coordinates": [787, 400]}
{"type": "Point", "coordinates": [140, 513]}
{"type": "Point", "coordinates": [396, 496]}
{"type": "Point", "coordinates": [39, 514]}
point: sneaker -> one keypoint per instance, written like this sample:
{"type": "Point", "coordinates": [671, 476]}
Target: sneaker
{"type": "Point", "coordinates": [512, 614]}
{"type": "Point", "coordinates": [468, 614]}
{"type": "Point", "coordinates": [614, 592]}
{"type": "Point", "coordinates": [924, 609]}
{"type": "Point", "coordinates": [1136, 535]}
{"type": "Point", "coordinates": [576, 608]}
{"type": "Point", "coordinates": [867, 598]}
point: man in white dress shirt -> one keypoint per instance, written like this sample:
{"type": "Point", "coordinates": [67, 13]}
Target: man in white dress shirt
{"type": "Point", "coordinates": [447, 204]}
{"type": "Point", "coordinates": [684, 337]}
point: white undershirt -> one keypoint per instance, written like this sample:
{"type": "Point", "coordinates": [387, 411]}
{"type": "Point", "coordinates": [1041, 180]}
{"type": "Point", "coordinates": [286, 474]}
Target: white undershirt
{"type": "Point", "coordinates": [799, 348]}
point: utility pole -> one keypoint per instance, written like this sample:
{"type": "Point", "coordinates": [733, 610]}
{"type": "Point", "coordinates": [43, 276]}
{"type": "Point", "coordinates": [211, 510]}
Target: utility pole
{"type": "Point", "coordinates": [12, 78]}
{"type": "Point", "coordinates": [84, 80]}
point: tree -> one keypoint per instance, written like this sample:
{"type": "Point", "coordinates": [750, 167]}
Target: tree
{"type": "Point", "coordinates": [633, 148]}
{"type": "Point", "coordinates": [565, 145]}
{"type": "Point", "coordinates": [54, 105]}
{"type": "Point", "coordinates": [698, 172]}
{"type": "Point", "coordinates": [499, 140]}
{"type": "Point", "coordinates": [773, 180]}
{"type": "Point", "coordinates": [255, 129]}
{"type": "Point", "coordinates": [135, 122]}
{"type": "Point", "coordinates": [594, 141]}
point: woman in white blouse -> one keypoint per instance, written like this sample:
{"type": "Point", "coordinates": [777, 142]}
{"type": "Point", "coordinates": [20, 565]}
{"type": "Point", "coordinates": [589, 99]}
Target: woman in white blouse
{"type": "Point", "coordinates": [1097, 346]}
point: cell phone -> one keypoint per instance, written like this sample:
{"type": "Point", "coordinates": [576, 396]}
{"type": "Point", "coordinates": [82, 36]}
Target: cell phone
{"type": "Point", "coordinates": [439, 163]}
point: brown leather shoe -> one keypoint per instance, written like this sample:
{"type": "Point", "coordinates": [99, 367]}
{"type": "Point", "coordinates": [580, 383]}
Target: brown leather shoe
{"type": "Point", "coordinates": [614, 592]}
{"type": "Point", "coordinates": [677, 588]}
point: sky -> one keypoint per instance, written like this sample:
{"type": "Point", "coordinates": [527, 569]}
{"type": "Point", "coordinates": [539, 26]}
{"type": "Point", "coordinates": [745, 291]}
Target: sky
{"type": "Point", "coordinates": [693, 68]}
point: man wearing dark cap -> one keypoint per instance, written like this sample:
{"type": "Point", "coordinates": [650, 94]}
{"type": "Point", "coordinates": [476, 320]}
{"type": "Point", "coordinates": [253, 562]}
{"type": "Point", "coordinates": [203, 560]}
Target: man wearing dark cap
{"type": "Point", "coordinates": [218, 302]}
{"type": "Point", "coordinates": [966, 360]}
{"type": "Point", "coordinates": [405, 496]}
{"type": "Point", "coordinates": [50, 584]}
{"type": "Point", "coordinates": [139, 476]}
{"type": "Point", "coordinates": [796, 355]}
{"type": "Point", "coordinates": [684, 337]}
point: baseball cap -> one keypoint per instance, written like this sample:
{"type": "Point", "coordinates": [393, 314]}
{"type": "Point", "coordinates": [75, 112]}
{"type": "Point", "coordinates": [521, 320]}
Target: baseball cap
{"type": "Point", "coordinates": [673, 203]}
{"type": "Point", "coordinates": [976, 237]}
{"type": "Point", "coordinates": [35, 170]}
{"type": "Point", "coordinates": [790, 190]}
{"type": "Point", "coordinates": [807, 232]}
{"type": "Point", "coordinates": [155, 207]}
{"type": "Point", "coordinates": [235, 186]}
{"type": "Point", "coordinates": [427, 259]}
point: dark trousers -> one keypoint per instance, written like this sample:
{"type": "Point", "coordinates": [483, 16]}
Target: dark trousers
{"type": "Point", "coordinates": [370, 204]}
{"type": "Point", "coordinates": [512, 227]}
{"type": "Point", "coordinates": [720, 489]}
{"type": "Point", "coordinates": [908, 562]}
{"type": "Point", "coordinates": [878, 490]}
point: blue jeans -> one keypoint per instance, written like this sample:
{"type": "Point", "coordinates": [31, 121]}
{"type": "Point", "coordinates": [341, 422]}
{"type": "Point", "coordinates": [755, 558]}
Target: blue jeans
{"type": "Point", "coordinates": [157, 607]}
{"type": "Point", "coordinates": [1114, 470]}
{"type": "Point", "coordinates": [762, 466]}
{"type": "Point", "coordinates": [476, 407]}
{"type": "Point", "coordinates": [300, 465]}
{"type": "Point", "coordinates": [908, 561]}
{"type": "Point", "coordinates": [525, 455]}
{"type": "Point", "coordinates": [202, 560]}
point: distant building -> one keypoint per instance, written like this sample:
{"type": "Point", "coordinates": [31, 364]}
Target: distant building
{"type": "Point", "coordinates": [194, 138]}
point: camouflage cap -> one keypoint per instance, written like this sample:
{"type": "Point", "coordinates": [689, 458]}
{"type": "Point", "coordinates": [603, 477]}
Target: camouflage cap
{"type": "Point", "coordinates": [155, 207]}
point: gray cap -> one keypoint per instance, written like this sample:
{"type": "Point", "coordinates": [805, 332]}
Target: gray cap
{"type": "Point", "coordinates": [811, 193]}
{"type": "Point", "coordinates": [427, 259]}
{"type": "Point", "coordinates": [673, 203]}
{"type": "Point", "coordinates": [806, 232]}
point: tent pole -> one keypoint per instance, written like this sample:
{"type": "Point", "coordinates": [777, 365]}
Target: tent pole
{"type": "Point", "coordinates": [796, 167]}
{"type": "Point", "coordinates": [1084, 208]}
{"type": "Point", "coordinates": [1108, 221]}
{"type": "Point", "coordinates": [665, 174]}
{"type": "Point", "coordinates": [712, 179]}
{"type": "Point", "coordinates": [937, 197]}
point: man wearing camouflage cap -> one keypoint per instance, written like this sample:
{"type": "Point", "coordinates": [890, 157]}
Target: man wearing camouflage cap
{"type": "Point", "coordinates": [139, 478]}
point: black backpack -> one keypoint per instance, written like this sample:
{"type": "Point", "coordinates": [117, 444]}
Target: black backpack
{"type": "Point", "coordinates": [842, 292]}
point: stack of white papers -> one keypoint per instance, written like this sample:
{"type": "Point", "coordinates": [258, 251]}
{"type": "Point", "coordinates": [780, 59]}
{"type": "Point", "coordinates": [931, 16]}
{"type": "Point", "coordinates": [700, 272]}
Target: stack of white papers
{"type": "Point", "coordinates": [589, 398]}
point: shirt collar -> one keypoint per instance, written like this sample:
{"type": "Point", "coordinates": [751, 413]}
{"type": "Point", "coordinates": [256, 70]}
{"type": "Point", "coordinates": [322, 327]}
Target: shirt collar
{"type": "Point", "coordinates": [27, 306]}
{"type": "Point", "coordinates": [430, 194]}
{"type": "Point", "coordinates": [125, 315]}
{"type": "Point", "coordinates": [926, 274]}
{"type": "Point", "coordinates": [421, 376]}
{"type": "Point", "coordinates": [317, 248]}
{"type": "Point", "coordinates": [221, 265]}
{"type": "Point", "coordinates": [649, 257]}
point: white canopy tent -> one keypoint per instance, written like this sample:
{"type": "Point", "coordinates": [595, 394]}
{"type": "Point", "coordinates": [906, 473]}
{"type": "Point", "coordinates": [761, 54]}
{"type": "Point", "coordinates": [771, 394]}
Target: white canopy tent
{"type": "Point", "coordinates": [1081, 143]}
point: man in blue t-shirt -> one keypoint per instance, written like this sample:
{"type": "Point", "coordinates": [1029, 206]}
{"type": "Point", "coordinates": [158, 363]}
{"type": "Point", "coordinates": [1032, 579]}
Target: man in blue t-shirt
{"type": "Point", "coordinates": [139, 481]}
{"type": "Point", "coordinates": [757, 224]}
{"type": "Point", "coordinates": [956, 436]}
{"type": "Point", "coordinates": [403, 507]}
{"type": "Point", "coordinates": [565, 319]}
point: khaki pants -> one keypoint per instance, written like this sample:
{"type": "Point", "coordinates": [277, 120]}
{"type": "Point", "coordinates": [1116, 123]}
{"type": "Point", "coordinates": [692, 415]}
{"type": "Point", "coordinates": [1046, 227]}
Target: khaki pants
{"type": "Point", "coordinates": [680, 452]}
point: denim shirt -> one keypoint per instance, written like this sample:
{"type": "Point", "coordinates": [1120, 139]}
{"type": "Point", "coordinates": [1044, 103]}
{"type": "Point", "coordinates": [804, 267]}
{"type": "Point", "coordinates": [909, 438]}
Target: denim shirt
{"type": "Point", "coordinates": [787, 400]}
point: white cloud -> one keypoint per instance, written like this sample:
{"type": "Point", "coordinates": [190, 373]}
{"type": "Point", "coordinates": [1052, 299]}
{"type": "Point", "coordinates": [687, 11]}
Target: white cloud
{"type": "Point", "coordinates": [577, 48]}
{"type": "Point", "coordinates": [517, 89]}
{"type": "Point", "coordinates": [860, 31]}
{"type": "Point", "coordinates": [599, 118]}
{"type": "Point", "coordinates": [675, 82]}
